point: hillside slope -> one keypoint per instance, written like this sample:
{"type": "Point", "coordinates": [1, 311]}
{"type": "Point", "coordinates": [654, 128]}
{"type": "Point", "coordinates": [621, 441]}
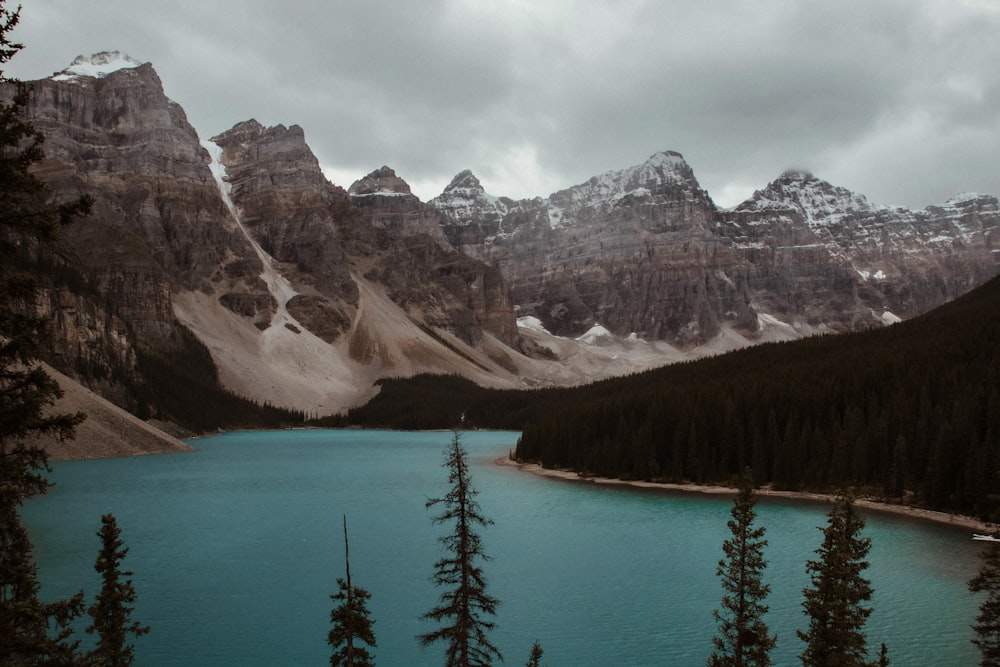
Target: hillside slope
{"type": "Point", "coordinates": [909, 412]}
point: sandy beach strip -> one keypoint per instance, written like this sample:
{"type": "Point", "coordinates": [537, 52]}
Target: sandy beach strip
{"type": "Point", "coordinates": [971, 523]}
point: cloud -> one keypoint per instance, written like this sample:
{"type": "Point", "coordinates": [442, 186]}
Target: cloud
{"type": "Point", "coordinates": [897, 99]}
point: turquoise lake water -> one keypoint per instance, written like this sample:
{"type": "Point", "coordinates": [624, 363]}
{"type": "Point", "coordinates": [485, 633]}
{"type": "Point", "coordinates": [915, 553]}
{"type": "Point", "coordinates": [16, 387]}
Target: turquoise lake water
{"type": "Point", "coordinates": [236, 549]}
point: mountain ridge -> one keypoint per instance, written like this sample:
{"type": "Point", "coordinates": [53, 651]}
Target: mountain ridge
{"type": "Point", "coordinates": [796, 224]}
{"type": "Point", "coordinates": [377, 283]}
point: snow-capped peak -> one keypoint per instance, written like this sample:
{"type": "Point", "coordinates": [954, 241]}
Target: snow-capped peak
{"type": "Point", "coordinates": [664, 174]}
{"type": "Point", "coordinates": [464, 199]}
{"type": "Point", "coordinates": [97, 66]}
{"type": "Point", "coordinates": [819, 202]}
{"type": "Point", "coordinates": [966, 197]}
{"type": "Point", "coordinates": [670, 161]}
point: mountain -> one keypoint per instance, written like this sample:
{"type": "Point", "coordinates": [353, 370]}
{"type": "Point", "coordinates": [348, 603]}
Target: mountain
{"type": "Point", "coordinates": [645, 251]}
{"type": "Point", "coordinates": [909, 414]}
{"type": "Point", "coordinates": [234, 260]}
{"type": "Point", "coordinates": [302, 293]}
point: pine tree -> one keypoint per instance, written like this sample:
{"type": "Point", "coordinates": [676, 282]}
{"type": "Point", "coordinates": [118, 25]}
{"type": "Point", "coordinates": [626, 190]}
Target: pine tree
{"type": "Point", "coordinates": [30, 631]}
{"type": "Point", "coordinates": [987, 625]}
{"type": "Point", "coordinates": [466, 603]}
{"type": "Point", "coordinates": [834, 602]}
{"type": "Point", "coordinates": [535, 658]}
{"type": "Point", "coordinates": [743, 638]}
{"type": "Point", "coordinates": [111, 612]}
{"type": "Point", "coordinates": [351, 621]}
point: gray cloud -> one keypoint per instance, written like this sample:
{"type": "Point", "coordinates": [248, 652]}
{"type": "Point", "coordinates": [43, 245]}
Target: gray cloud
{"type": "Point", "coordinates": [898, 100]}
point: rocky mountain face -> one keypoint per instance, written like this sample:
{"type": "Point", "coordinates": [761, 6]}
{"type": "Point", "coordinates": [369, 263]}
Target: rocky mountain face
{"type": "Point", "coordinates": [410, 255]}
{"type": "Point", "coordinates": [305, 293]}
{"type": "Point", "coordinates": [293, 214]}
{"type": "Point", "coordinates": [645, 250]}
{"type": "Point", "coordinates": [158, 222]}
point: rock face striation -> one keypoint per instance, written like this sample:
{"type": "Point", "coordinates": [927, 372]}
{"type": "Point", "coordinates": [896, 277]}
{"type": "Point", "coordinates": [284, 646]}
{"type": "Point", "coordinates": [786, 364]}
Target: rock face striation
{"type": "Point", "coordinates": [158, 226]}
{"type": "Point", "coordinates": [407, 252]}
{"type": "Point", "coordinates": [645, 250]}
{"type": "Point", "coordinates": [305, 293]}
{"type": "Point", "coordinates": [293, 214]}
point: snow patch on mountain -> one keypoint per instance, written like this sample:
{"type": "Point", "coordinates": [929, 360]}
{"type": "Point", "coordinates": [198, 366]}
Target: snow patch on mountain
{"type": "Point", "coordinates": [866, 275]}
{"type": "Point", "coordinates": [465, 199]}
{"type": "Point", "coordinates": [597, 335]}
{"type": "Point", "coordinates": [666, 169]}
{"type": "Point", "coordinates": [890, 318]}
{"type": "Point", "coordinates": [97, 66]}
{"type": "Point", "coordinates": [279, 286]}
{"type": "Point", "coordinates": [820, 203]}
{"type": "Point", "coordinates": [966, 197]}
{"type": "Point", "coordinates": [531, 323]}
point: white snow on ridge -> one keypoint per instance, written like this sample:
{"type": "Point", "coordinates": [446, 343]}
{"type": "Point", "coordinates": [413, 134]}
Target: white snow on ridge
{"type": "Point", "coordinates": [964, 197]}
{"type": "Point", "coordinates": [97, 66]}
{"type": "Point", "coordinates": [382, 192]}
{"type": "Point", "coordinates": [609, 188]}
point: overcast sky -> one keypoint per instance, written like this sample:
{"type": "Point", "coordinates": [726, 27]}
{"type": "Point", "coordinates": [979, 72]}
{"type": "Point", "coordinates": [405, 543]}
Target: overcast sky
{"type": "Point", "coordinates": [897, 100]}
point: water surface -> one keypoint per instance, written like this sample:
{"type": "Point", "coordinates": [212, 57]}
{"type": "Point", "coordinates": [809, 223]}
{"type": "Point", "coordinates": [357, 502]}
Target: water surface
{"type": "Point", "coordinates": [236, 549]}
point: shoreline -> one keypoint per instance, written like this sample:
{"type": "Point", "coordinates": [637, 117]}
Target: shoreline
{"type": "Point", "coordinates": [956, 520]}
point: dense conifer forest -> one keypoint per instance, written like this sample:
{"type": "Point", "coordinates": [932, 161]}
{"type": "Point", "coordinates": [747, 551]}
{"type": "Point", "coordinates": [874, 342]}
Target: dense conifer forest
{"type": "Point", "coordinates": [908, 413]}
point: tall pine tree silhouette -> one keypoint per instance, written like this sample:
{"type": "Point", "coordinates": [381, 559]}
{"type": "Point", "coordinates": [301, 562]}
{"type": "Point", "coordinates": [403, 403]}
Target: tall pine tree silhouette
{"type": "Point", "coordinates": [987, 626]}
{"type": "Point", "coordinates": [27, 223]}
{"type": "Point", "coordinates": [465, 605]}
{"type": "Point", "coordinates": [835, 600]}
{"type": "Point", "coordinates": [112, 612]}
{"type": "Point", "coordinates": [351, 621]}
{"type": "Point", "coordinates": [743, 639]}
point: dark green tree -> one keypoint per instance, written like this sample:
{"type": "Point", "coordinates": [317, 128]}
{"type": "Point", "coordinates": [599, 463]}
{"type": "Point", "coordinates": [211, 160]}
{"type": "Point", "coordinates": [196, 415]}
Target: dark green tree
{"type": "Point", "coordinates": [31, 632]}
{"type": "Point", "coordinates": [535, 658]}
{"type": "Point", "coordinates": [835, 601]}
{"type": "Point", "coordinates": [352, 624]}
{"type": "Point", "coordinates": [987, 626]}
{"type": "Point", "coordinates": [743, 638]}
{"type": "Point", "coordinates": [465, 605]}
{"type": "Point", "coordinates": [112, 611]}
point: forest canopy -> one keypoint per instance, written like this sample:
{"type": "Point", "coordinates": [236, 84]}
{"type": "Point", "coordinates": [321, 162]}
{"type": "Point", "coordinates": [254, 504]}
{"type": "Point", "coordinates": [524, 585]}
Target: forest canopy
{"type": "Point", "coordinates": [909, 413]}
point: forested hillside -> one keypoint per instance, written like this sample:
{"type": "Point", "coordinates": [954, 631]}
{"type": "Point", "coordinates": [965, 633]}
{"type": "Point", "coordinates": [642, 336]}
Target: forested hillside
{"type": "Point", "coordinates": [909, 412]}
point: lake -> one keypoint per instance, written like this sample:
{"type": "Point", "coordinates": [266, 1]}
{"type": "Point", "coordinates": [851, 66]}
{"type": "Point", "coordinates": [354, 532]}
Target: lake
{"type": "Point", "coordinates": [236, 548]}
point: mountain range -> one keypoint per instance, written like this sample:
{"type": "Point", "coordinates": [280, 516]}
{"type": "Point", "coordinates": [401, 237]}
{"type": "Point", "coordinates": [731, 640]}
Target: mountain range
{"type": "Point", "coordinates": [305, 294]}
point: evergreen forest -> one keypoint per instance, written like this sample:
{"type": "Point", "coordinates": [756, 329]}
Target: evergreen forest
{"type": "Point", "coordinates": [909, 413]}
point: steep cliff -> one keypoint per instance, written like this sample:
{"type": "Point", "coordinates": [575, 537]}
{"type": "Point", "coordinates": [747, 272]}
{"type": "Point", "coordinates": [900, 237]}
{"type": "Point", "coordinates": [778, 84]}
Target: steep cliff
{"type": "Point", "coordinates": [158, 223]}
{"type": "Point", "coordinates": [289, 208]}
{"type": "Point", "coordinates": [409, 254]}
{"type": "Point", "coordinates": [645, 250]}
{"type": "Point", "coordinates": [633, 250]}
{"type": "Point", "coordinates": [305, 294]}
